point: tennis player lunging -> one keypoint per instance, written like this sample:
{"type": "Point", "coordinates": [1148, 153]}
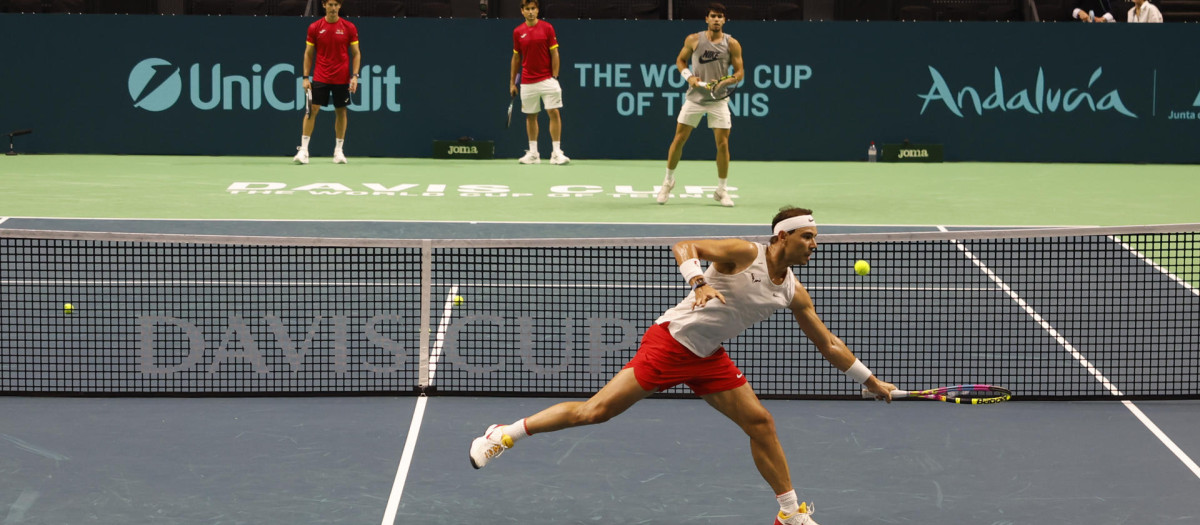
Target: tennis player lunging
{"type": "Point", "coordinates": [332, 43]}
{"type": "Point", "coordinates": [745, 283]}
{"type": "Point", "coordinates": [535, 57]}
{"type": "Point", "coordinates": [711, 54]}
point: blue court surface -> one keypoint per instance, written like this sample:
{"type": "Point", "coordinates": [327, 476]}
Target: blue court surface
{"type": "Point", "coordinates": [665, 461]}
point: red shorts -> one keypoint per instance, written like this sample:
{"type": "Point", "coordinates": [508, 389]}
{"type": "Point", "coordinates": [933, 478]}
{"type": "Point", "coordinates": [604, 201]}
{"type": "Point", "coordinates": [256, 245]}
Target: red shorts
{"type": "Point", "coordinates": [662, 362]}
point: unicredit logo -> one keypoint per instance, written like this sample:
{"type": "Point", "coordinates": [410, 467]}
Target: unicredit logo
{"type": "Point", "coordinates": [154, 84]}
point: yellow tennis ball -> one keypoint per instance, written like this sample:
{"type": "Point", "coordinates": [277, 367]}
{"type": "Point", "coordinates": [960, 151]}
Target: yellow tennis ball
{"type": "Point", "coordinates": [68, 308]}
{"type": "Point", "coordinates": [862, 267]}
{"type": "Point", "coordinates": [459, 300]}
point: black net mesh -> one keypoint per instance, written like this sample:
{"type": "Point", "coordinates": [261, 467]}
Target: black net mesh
{"type": "Point", "coordinates": [1062, 315]}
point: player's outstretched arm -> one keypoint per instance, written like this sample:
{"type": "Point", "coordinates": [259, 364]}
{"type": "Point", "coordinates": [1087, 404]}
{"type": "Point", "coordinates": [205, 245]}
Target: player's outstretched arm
{"type": "Point", "coordinates": [832, 347]}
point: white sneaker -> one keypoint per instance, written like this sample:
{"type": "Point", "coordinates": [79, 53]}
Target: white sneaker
{"type": "Point", "coordinates": [488, 446]}
{"type": "Point", "coordinates": [531, 157]}
{"type": "Point", "coordinates": [301, 156]}
{"type": "Point", "coordinates": [801, 517]}
{"type": "Point", "coordinates": [339, 157]}
{"type": "Point", "coordinates": [558, 158]}
{"type": "Point", "coordinates": [722, 197]}
{"type": "Point", "coordinates": [664, 192]}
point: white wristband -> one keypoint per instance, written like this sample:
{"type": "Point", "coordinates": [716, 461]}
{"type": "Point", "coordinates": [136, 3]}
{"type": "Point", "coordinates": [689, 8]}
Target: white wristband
{"type": "Point", "coordinates": [691, 269]}
{"type": "Point", "coordinates": [859, 372]}
{"type": "Point", "coordinates": [686, 74]}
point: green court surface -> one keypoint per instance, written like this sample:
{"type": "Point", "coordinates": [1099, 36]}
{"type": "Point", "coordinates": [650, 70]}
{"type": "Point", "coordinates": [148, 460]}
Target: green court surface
{"type": "Point", "coordinates": [591, 191]}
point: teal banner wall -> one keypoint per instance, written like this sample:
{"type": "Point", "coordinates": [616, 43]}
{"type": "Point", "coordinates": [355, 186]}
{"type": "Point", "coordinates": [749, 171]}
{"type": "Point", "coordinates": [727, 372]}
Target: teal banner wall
{"type": "Point", "coordinates": [193, 85]}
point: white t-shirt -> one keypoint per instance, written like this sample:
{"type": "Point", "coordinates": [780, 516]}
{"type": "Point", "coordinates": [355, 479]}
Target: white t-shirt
{"type": "Point", "coordinates": [1149, 13]}
{"type": "Point", "coordinates": [750, 297]}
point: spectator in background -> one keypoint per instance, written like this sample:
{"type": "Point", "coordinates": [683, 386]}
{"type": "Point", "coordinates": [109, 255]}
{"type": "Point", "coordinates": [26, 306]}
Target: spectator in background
{"type": "Point", "coordinates": [1092, 11]}
{"type": "Point", "coordinates": [1144, 12]}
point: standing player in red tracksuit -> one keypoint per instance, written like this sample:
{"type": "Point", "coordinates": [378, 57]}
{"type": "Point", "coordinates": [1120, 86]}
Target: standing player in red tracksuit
{"type": "Point", "coordinates": [332, 46]}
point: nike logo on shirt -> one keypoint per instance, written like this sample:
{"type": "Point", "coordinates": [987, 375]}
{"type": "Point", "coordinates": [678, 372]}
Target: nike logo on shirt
{"type": "Point", "coordinates": [705, 61]}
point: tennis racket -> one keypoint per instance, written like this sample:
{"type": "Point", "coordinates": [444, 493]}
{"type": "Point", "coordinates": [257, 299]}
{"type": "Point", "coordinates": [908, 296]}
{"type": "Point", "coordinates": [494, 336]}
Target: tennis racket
{"type": "Point", "coordinates": [721, 88]}
{"type": "Point", "coordinates": [512, 100]}
{"type": "Point", "coordinates": [307, 103]}
{"type": "Point", "coordinates": [961, 394]}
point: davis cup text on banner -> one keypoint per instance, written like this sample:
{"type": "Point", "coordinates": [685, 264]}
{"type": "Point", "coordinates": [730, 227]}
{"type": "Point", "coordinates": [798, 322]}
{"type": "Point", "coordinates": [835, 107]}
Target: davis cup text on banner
{"type": "Point", "coordinates": [463, 190]}
{"type": "Point", "coordinates": [344, 344]}
{"type": "Point", "coordinates": [155, 85]}
{"type": "Point", "coordinates": [666, 87]}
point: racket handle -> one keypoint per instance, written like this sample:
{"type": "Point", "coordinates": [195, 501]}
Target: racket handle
{"type": "Point", "coordinates": [896, 394]}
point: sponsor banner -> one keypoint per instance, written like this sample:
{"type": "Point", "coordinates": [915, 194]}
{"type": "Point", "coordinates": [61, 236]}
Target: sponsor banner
{"type": "Point", "coordinates": [463, 149]}
{"type": "Point", "coordinates": [165, 85]}
{"type": "Point", "coordinates": [913, 153]}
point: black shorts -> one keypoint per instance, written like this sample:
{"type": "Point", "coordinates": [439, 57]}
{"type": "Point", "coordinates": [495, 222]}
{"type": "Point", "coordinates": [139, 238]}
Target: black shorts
{"type": "Point", "coordinates": [321, 92]}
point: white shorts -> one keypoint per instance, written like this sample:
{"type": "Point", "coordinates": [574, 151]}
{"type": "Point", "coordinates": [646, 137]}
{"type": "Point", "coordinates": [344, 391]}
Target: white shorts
{"type": "Point", "coordinates": [717, 111]}
{"type": "Point", "coordinates": [547, 90]}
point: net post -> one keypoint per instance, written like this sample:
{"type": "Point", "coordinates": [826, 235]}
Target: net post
{"type": "Point", "coordinates": [423, 378]}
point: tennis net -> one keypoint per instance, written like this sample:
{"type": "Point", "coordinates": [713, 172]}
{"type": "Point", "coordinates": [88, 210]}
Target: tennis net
{"type": "Point", "coordinates": [1050, 314]}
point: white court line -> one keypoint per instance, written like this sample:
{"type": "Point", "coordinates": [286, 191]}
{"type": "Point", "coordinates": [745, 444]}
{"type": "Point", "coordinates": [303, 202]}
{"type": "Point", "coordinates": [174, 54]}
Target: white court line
{"type": "Point", "coordinates": [410, 444]}
{"type": "Point", "coordinates": [1154, 265]}
{"type": "Point", "coordinates": [1166, 440]}
{"type": "Point", "coordinates": [2, 219]}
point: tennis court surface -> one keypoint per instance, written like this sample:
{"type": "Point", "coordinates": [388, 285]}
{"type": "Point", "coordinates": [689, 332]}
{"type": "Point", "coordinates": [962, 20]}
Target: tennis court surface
{"type": "Point", "coordinates": [204, 359]}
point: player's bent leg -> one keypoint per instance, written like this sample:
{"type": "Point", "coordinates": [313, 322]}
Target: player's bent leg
{"type": "Point", "coordinates": [743, 407]}
{"type": "Point", "coordinates": [621, 392]}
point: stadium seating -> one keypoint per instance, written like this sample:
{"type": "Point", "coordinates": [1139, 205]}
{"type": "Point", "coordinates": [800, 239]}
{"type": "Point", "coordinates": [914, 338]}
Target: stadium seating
{"type": "Point", "coordinates": [22, 6]}
{"type": "Point", "coordinates": [786, 11]}
{"type": "Point", "coordinates": [132, 7]}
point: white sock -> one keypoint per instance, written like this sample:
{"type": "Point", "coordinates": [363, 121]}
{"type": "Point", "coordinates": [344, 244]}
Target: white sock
{"type": "Point", "coordinates": [788, 503]}
{"type": "Point", "coordinates": [721, 184]}
{"type": "Point", "coordinates": [304, 142]}
{"type": "Point", "coordinates": [338, 146]}
{"type": "Point", "coordinates": [670, 176]}
{"type": "Point", "coordinates": [517, 432]}
{"type": "Point", "coordinates": [533, 146]}
{"type": "Point", "coordinates": [557, 146]}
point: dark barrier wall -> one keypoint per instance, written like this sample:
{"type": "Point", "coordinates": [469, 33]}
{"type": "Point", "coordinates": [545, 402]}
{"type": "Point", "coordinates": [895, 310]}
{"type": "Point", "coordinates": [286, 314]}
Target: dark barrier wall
{"type": "Point", "coordinates": [813, 91]}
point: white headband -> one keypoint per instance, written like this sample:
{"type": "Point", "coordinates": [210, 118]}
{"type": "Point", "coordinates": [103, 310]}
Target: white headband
{"type": "Point", "coordinates": [794, 223]}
